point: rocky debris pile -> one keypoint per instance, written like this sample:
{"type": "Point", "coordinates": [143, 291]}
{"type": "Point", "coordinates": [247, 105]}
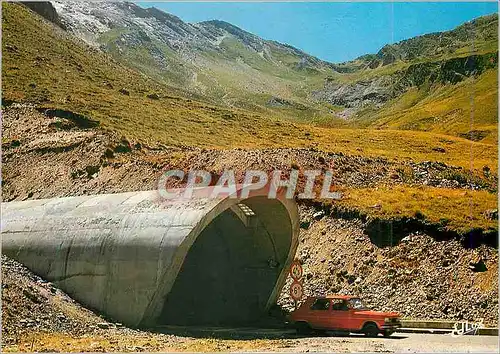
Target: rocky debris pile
{"type": "Point", "coordinates": [37, 316]}
{"type": "Point", "coordinates": [356, 95]}
{"type": "Point", "coordinates": [31, 304]}
{"type": "Point", "coordinates": [92, 160]}
{"type": "Point", "coordinates": [420, 277]}
{"type": "Point", "coordinates": [438, 174]}
{"type": "Point", "coordinates": [349, 171]}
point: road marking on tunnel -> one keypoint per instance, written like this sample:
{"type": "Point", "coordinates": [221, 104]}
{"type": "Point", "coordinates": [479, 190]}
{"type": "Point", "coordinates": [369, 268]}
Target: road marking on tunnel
{"type": "Point", "coordinates": [296, 270]}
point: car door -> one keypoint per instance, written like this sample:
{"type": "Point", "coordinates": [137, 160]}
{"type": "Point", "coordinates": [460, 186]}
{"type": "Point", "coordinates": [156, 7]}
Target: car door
{"type": "Point", "coordinates": [339, 315]}
{"type": "Point", "coordinates": [319, 313]}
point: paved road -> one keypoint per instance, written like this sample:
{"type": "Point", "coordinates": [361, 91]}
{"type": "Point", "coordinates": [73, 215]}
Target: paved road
{"type": "Point", "coordinates": [401, 343]}
{"type": "Point", "coordinates": [265, 340]}
{"type": "Point", "coordinates": [410, 343]}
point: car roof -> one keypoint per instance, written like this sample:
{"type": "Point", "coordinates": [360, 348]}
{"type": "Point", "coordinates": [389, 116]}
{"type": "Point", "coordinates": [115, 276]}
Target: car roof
{"type": "Point", "coordinates": [343, 297]}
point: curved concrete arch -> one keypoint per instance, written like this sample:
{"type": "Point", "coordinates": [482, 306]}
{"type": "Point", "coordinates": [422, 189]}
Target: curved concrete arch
{"type": "Point", "coordinates": [143, 260]}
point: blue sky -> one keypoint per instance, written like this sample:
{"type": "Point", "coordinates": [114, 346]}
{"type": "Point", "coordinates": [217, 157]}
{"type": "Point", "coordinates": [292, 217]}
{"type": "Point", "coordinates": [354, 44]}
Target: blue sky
{"type": "Point", "coordinates": [333, 31]}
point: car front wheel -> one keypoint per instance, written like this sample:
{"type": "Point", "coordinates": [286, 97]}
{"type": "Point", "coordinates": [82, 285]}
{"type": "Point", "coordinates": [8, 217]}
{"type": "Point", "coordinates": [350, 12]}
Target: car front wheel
{"type": "Point", "coordinates": [370, 330]}
{"type": "Point", "coordinates": [303, 328]}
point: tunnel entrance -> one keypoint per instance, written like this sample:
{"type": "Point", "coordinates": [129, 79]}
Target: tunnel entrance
{"type": "Point", "coordinates": [232, 268]}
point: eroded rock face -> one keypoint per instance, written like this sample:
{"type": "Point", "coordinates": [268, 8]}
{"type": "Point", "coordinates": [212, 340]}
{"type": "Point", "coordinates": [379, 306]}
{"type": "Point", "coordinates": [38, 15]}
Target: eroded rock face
{"type": "Point", "coordinates": [46, 10]}
{"type": "Point", "coordinates": [375, 91]}
{"type": "Point", "coordinates": [196, 57]}
{"type": "Point", "coordinates": [379, 89]}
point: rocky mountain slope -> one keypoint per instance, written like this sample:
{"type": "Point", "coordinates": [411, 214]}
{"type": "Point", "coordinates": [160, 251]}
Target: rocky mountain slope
{"type": "Point", "coordinates": [423, 83]}
{"type": "Point", "coordinates": [92, 22]}
{"type": "Point", "coordinates": [239, 69]}
{"type": "Point", "coordinates": [51, 69]}
{"type": "Point", "coordinates": [421, 272]}
{"type": "Point", "coordinates": [213, 58]}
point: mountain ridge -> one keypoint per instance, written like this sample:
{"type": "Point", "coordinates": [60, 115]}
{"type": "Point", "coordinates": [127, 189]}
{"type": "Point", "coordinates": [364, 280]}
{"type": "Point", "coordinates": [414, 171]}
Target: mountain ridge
{"type": "Point", "coordinates": [233, 68]}
{"type": "Point", "coordinates": [214, 59]}
{"type": "Point", "coordinates": [234, 29]}
{"type": "Point", "coordinates": [415, 41]}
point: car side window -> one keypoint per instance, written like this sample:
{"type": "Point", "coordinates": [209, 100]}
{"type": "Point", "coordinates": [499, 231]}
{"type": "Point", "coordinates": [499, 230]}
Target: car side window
{"type": "Point", "coordinates": [339, 305]}
{"type": "Point", "coordinates": [321, 304]}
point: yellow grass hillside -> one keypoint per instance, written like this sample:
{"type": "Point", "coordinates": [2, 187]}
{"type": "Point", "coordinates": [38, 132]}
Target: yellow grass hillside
{"type": "Point", "coordinates": [42, 65]}
{"type": "Point", "coordinates": [467, 109]}
{"type": "Point", "coordinates": [455, 209]}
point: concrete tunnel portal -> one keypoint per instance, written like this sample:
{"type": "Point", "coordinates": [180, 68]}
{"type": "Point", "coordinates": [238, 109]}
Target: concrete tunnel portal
{"type": "Point", "coordinates": [146, 262]}
{"type": "Point", "coordinates": [230, 271]}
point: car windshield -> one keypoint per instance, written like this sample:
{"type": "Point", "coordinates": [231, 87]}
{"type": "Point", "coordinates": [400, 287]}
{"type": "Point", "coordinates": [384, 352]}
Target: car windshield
{"type": "Point", "coordinates": [357, 304]}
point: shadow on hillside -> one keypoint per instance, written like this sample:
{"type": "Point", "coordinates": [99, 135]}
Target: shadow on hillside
{"type": "Point", "coordinates": [388, 233]}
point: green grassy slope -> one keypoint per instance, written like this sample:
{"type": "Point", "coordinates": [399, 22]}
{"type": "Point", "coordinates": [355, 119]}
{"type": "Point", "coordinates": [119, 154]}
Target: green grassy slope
{"type": "Point", "coordinates": [44, 66]}
{"type": "Point", "coordinates": [468, 109]}
{"type": "Point", "coordinates": [233, 73]}
{"type": "Point", "coordinates": [478, 36]}
{"type": "Point", "coordinates": [441, 82]}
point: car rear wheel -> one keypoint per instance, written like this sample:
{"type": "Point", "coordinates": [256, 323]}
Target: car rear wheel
{"type": "Point", "coordinates": [370, 330]}
{"type": "Point", "coordinates": [303, 328]}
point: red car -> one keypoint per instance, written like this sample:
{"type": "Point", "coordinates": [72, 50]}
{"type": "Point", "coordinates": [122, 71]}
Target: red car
{"type": "Point", "coordinates": [343, 313]}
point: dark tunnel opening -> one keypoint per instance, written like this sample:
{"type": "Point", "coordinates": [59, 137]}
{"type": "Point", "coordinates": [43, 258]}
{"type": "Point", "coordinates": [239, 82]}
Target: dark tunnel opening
{"type": "Point", "coordinates": [232, 268]}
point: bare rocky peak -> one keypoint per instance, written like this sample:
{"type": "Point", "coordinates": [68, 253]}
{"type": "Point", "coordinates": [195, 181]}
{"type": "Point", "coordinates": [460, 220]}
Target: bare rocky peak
{"type": "Point", "coordinates": [91, 20]}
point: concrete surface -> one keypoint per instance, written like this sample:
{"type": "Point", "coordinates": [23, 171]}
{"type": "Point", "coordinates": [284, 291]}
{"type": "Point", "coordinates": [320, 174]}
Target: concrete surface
{"type": "Point", "coordinates": [438, 324]}
{"type": "Point", "coordinates": [399, 343]}
{"type": "Point", "coordinates": [479, 331]}
{"type": "Point", "coordinates": [143, 261]}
